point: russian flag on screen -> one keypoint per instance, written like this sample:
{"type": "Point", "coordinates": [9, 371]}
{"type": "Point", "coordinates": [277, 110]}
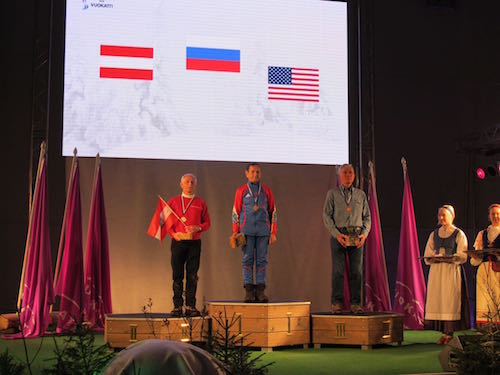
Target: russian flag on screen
{"type": "Point", "coordinates": [126, 62]}
{"type": "Point", "coordinates": [215, 59]}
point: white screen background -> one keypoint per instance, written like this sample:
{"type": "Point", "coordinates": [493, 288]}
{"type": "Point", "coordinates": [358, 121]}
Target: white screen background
{"type": "Point", "coordinates": [205, 115]}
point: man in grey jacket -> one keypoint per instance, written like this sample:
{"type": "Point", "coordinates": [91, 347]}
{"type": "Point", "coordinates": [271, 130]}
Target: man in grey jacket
{"type": "Point", "coordinates": [346, 215]}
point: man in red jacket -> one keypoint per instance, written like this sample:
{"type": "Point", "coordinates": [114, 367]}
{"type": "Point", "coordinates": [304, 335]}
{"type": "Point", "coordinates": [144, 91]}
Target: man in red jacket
{"type": "Point", "coordinates": [193, 219]}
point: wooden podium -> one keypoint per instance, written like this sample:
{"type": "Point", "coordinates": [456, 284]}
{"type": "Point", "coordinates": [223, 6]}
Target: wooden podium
{"type": "Point", "coordinates": [366, 329]}
{"type": "Point", "coordinates": [265, 325]}
{"type": "Point", "coordinates": [7, 321]}
{"type": "Point", "coordinates": [121, 330]}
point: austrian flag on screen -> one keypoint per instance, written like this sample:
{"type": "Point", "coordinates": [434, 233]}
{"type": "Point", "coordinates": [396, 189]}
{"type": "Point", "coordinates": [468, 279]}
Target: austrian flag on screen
{"type": "Point", "coordinates": [126, 62]}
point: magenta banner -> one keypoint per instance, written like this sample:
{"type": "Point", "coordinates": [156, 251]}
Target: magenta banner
{"type": "Point", "coordinates": [37, 287]}
{"type": "Point", "coordinates": [70, 279]}
{"type": "Point", "coordinates": [409, 298]}
{"type": "Point", "coordinates": [376, 283]}
{"type": "Point", "coordinates": [97, 275]}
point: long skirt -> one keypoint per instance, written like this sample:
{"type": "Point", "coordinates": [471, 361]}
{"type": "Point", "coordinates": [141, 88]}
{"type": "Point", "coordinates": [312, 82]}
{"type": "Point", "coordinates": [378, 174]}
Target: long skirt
{"type": "Point", "coordinates": [487, 294]}
{"type": "Point", "coordinates": [443, 323]}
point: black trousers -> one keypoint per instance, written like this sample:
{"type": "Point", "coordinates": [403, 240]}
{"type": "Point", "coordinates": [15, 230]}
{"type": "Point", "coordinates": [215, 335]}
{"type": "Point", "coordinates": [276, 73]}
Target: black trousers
{"type": "Point", "coordinates": [185, 254]}
{"type": "Point", "coordinates": [338, 262]}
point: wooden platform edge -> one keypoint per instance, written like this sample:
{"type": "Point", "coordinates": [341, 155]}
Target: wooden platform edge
{"type": "Point", "coordinates": [9, 320]}
{"type": "Point", "coordinates": [235, 303]}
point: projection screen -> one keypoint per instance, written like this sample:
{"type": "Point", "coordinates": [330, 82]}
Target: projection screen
{"type": "Point", "coordinates": [238, 80]}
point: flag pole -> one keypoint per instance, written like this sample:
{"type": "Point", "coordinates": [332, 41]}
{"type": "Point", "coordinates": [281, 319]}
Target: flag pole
{"type": "Point", "coordinates": [96, 169]}
{"type": "Point", "coordinates": [41, 160]}
{"type": "Point", "coordinates": [63, 226]}
{"type": "Point", "coordinates": [405, 167]}
{"type": "Point", "coordinates": [178, 218]}
{"type": "Point", "coordinates": [371, 166]}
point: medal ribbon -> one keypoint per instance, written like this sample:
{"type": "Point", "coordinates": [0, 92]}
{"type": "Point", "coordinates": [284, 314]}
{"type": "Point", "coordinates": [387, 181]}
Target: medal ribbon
{"type": "Point", "coordinates": [184, 210]}
{"type": "Point", "coordinates": [347, 195]}
{"type": "Point", "coordinates": [255, 198]}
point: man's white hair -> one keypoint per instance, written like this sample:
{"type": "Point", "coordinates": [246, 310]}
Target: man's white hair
{"type": "Point", "coordinates": [346, 166]}
{"type": "Point", "coordinates": [190, 175]}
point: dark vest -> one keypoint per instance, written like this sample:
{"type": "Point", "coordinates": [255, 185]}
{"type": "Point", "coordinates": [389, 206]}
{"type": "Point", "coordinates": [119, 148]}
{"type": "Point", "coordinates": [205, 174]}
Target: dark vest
{"type": "Point", "coordinates": [449, 244]}
{"type": "Point", "coordinates": [486, 244]}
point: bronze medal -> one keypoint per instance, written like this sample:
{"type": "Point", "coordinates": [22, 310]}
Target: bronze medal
{"type": "Point", "coordinates": [348, 209]}
{"type": "Point", "coordinates": [255, 208]}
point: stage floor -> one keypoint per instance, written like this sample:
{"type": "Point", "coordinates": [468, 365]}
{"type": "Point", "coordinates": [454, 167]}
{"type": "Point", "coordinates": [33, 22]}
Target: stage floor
{"type": "Point", "coordinates": [417, 355]}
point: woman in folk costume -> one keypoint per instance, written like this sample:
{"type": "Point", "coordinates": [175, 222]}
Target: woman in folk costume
{"type": "Point", "coordinates": [446, 307]}
{"type": "Point", "coordinates": [488, 273]}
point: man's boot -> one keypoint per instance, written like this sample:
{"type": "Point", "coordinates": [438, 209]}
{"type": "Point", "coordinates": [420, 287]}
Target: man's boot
{"type": "Point", "coordinates": [191, 312]}
{"type": "Point", "coordinates": [176, 312]}
{"type": "Point", "coordinates": [259, 295]}
{"type": "Point", "coordinates": [249, 293]}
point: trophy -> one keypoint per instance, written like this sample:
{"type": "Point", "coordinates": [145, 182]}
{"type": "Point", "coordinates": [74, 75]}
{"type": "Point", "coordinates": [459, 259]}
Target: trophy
{"type": "Point", "coordinates": [353, 236]}
{"type": "Point", "coordinates": [185, 236]}
{"type": "Point", "coordinates": [237, 240]}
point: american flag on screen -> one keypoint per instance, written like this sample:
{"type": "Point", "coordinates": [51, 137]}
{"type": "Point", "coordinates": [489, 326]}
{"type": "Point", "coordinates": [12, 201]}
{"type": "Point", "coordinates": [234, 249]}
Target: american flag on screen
{"type": "Point", "coordinates": [126, 62]}
{"type": "Point", "coordinates": [288, 83]}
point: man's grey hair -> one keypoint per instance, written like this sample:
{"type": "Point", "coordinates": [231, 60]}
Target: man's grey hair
{"type": "Point", "coordinates": [190, 175]}
{"type": "Point", "coordinates": [344, 166]}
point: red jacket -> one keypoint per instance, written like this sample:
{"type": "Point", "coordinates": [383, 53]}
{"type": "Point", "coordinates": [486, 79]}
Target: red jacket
{"type": "Point", "coordinates": [196, 214]}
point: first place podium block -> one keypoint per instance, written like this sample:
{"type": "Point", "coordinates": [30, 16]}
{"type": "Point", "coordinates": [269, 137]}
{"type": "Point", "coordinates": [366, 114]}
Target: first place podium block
{"type": "Point", "coordinates": [122, 330]}
{"type": "Point", "coordinates": [264, 325]}
{"type": "Point", "coordinates": [366, 329]}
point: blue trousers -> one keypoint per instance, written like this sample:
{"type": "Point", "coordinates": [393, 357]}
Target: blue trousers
{"type": "Point", "coordinates": [338, 262]}
{"type": "Point", "coordinates": [255, 251]}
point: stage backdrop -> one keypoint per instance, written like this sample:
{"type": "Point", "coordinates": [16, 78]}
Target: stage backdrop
{"type": "Point", "coordinates": [299, 263]}
{"type": "Point", "coordinates": [194, 80]}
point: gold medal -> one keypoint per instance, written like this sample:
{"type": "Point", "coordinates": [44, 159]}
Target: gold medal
{"type": "Point", "coordinates": [348, 209]}
{"type": "Point", "coordinates": [184, 209]}
{"type": "Point", "coordinates": [255, 197]}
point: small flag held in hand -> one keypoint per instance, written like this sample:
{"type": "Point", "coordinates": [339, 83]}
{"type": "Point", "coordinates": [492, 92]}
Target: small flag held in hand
{"type": "Point", "coordinates": [161, 221]}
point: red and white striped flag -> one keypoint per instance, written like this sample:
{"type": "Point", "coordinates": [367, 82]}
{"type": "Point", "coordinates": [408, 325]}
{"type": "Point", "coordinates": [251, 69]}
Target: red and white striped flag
{"type": "Point", "coordinates": [163, 218]}
{"type": "Point", "coordinates": [289, 83]}
{"type": "Point", "coordinates": [126, 62]}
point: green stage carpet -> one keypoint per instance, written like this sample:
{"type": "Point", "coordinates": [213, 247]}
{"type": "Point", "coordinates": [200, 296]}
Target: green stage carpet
{"type": "Point", "coordinates": [418, 354]}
